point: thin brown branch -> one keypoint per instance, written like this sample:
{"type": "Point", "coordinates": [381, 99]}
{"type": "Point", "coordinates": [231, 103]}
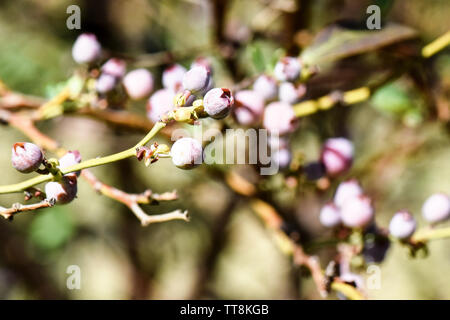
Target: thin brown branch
{"type": "Point", "coordinates": [16, 208]}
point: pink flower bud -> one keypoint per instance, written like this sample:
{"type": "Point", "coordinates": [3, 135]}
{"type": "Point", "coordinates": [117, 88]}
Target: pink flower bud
{"type": "Point", "coordinates": [26, 157]}
{"type": "Point", "coordinates": [138, 83]}
{"type": "Point", "coordinates": [105, 83]}
{"type": "Point", "coordinates": [172, 77]}
{"type": "Point", "coordinates": [279, 118]}
{"type": "Point", "coordinates": [202, 62]}
{"type": "Point", "coordinates": [160, 103]}
{"type": "Point", "coordinates": [249, 107]}
{"type": "Point", "coordinates": [115, 67]}
{"type": "Point", "coordinates": [337, 155]}
{"type": "Point", "coordinates": [402, 225]}
{"type": "Point", "coordinates": [266, 86]}
{"type": "Point", "coordinates": [436, 208]}
{"type": "Point", "coordinates": [218, 102]}
{"type": "Point", "coordinates": [345, 190]}
{"type": "Point", "coordinates": [330, 216]}
{"type": "Point", "coordinates": [282, 157]}
{"type": "Point", "coordinates": [86, 48]}
{"type": "Point", "coordinates": [287, 69]}
{"type": "Point", "coordinates": [289, 93]}
{"type": "Point", "coordinates": [357, 212]}
{"type": "Point", "coordinates": [196, 79]}
{"type": "Point", "coordinates": [186, 153]}
{"type": "Point", "coordinates": [63, 192]}
{"type": "Point", "coordinates": [71, 158]}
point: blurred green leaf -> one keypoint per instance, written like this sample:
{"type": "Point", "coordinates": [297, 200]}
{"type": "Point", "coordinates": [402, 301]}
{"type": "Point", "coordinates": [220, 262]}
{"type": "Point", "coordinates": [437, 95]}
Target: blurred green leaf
{"type": "Point", "coordinates": [258, 58]}
{"type": "Point", "coordinates": [392, 99]}
{"type": "Point", "coordinates": [51, 228]}
{"type": "Point", "coordinates": [336, 42]}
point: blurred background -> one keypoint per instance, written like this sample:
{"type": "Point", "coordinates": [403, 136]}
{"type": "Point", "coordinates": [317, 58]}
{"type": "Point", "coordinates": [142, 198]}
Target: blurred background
{"type": "Point", "coordinates": [225, 252]}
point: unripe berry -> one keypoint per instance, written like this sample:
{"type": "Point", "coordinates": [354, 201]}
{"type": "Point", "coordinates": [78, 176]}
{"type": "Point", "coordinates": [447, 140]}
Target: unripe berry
{"type": "Point", "coordinates": [345, 190]}
{"type": "Point", "coordinates": [26, 157]}
{"type": "Point", "coordinates": [218, 102]}
{"type": "Point", "coordinates": [186, 153]}
{"type": "Point", "coordinates": [279, 118]}
{"type": "Point", "coordinates": [105, 83]}
{"type": "Point", "coordinates": [64, 191]}
{"type": "Point", "coordinates": [160, 103]}
{"type": "Point", "coordinates": [196, 79]}
{"type": "Point", "coordinates": [289, 93]}
{"type": "Point", "coordinates": [138, 83]}
{"type": "Point", "coordinates": [86, 48]}
{"type": "Point", "coordinates": [436, 208]}
{"type": "Point", "coordinates": [357, 212]}
{"type": "Point", "coordinates": [249, 107]}
{"type": "Point", "coordinates": [330, 216]}
{"type": "Point", "coordinates": [337, 155]}
{"type": "Point", "coordinates": [115, 67]}
{"type": "Point", "coordinates": [172, 77]}
{"type": "Point", "coordinates": [402, 225]}
{"type": "Point", "coordinates": [71, 158]}
{"type": "Point", "coordinates": [266, 86]}
{"type": "Point", "coordinates": [287, 69]}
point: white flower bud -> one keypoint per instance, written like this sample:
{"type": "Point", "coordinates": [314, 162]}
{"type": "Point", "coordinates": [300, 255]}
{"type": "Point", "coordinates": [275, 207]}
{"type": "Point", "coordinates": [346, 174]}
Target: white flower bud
{"type": "Point", "coordinates": [345, 190]}
{"type": "Point", "coordinates": [105, 83]}
{"type": "Point", "coordinates": [266, 86]}
{"type": "Point", "coordinates": [249, 107]}
{"type": "Point", "coordinates": [172, 77]}
{"type": "Point", "coordinates": [138, 83]}
{"type": "Point", "coordinates": [196, 79]}
{"type": "Point", "coordinates": [287, 69]}
{"type": "Point", "coordinates": [279, 118]}
{"type": "Point", "coordinates": [357, 212]}
{"type": "Point", "coordinates": [26, 157]}
{"type": "Point", "coordinates": [289, 93]}
{"type": "Point", "coordinates": [71, 158]}
{"type": "Point", "coordinates": [330, 216]}
{"type": "Point", "coordinates": [115, 67]}
{"type": "Point", "coordinates": [282, 157]}
{"type": "Point", "coordinates": [160, 103]}
{"type": "Point", "coordinates": [63, 192]}
{"type": "Point", "coordinates": [337, 155]}
{"type": "Point", "coordinates": [218, 102]}
{"type": "Point", "coordinates": [186, 153]}
{"type": "Point", "coordinates": [86, 48]}
{"type": "Point", "coordinates": [402, 225]}
{"type": "Point", "coordinates": [436, 208]}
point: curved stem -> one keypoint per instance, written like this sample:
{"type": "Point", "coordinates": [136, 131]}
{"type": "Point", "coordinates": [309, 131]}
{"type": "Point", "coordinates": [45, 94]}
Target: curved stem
{"type": "Point", "coordinates": [85, 164]}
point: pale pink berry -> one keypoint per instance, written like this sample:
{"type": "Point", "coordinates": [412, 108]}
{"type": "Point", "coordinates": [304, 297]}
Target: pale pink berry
{"type": "Point", "coordinates": [64, 191]}
{"type": "Point", "coordinates": [138, 83]}
{"type": "Point", "coordinates": [266, 86]}
{"type": "Point", "coordinates": [357, 212]}
{"type": "Point", "coordinates": [402, 225]}
{"type": "Point", "coordinates": [196, 80]}
{"type": "Point", "coordinates": [290, 93]}
{"type": "Point", "coordinates": [105, 83]}
{"type": "Point", "coordinates": [26, 157]}
{"type": "Point", "coordinates": [436, 208]}
{"type": "Point", "coordinates": [172, 77]}
{"type": "Point", "coordinates": [345, 190]}
{"type": "Point", "coordinates": [160, 103]}
{"type": "Point", "coordinates": [115, 67]}
{"type": "Point", "coordinates": [249, 107]}
{"type": "Point", "coordinates": [71, 158]}
{"type": "Point", "coordinates": [217, 102]}
{"type": "Point", "coordinates": [186, 153]}
{"type": "Point", "coordinates": [337, 155]}
{"type": "Point", "coordinates": [279, 118]}
{"type": "Point", "coordinates": [330, 215]}
{"type": "Point", "coordinates": [86, 48]}
{"type": "Point", "coordinates": [287, 69]}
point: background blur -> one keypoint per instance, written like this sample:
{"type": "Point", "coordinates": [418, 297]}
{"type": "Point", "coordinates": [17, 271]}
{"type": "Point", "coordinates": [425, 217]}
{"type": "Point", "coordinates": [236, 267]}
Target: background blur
{"type": "Point", "coordinates": [224, 251]}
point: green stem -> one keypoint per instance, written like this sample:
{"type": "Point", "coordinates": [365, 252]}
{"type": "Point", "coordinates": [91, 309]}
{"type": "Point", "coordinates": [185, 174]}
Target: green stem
{"type": "Point", "coordinates": [85, 164]}
{"type": "Point", "coordinates": [431, 234]}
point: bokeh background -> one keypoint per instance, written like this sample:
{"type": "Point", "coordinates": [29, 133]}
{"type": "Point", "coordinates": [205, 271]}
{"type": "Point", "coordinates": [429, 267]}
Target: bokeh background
{"type": "Point", "coordinates": [224, 252]}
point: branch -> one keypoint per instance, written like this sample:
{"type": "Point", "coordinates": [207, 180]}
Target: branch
{"type": "Point", "coordinates": [436, 45]}
{"type": "Point", "coordinates": [18, 207]}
